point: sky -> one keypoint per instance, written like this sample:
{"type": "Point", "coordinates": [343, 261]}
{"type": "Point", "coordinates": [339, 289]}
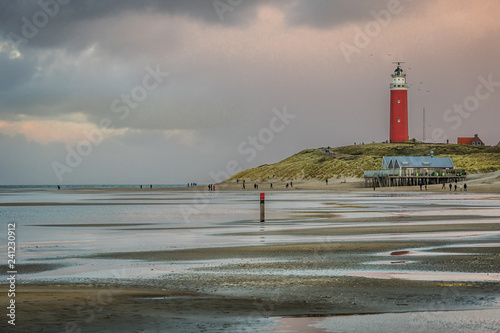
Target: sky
{"type": "Point", "coordinates": [176, 91]}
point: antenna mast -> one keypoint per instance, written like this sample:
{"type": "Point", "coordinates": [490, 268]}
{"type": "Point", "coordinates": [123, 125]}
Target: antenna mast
{"type": "Point", "coordinates": [423, 129]}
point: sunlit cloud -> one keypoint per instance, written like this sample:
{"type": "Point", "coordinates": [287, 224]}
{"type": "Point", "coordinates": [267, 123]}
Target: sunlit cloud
{"type": "Point", "coordinates": [70, 130]}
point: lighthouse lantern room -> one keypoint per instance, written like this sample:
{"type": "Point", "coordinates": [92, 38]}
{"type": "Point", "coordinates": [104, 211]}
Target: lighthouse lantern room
{"type": "Point", "coordinates": [399, 106]}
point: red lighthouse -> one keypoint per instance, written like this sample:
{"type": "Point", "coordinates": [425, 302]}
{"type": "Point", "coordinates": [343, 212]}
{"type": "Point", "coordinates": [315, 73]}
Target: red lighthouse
{"type": "Point", "coordinates": [399, 106]}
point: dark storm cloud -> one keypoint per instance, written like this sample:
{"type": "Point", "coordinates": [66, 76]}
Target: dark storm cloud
{"type": "Point", "coordinates": [15, 72]}
{"type": "Point", "coordinates": [326, 14]}
{"type": "Point", "coordinates": [17, 18]}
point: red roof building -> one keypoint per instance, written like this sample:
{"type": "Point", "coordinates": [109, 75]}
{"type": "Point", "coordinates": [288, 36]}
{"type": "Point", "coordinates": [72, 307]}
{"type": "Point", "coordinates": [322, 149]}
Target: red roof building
{"type": "Point", "coordinates": [475, 141]}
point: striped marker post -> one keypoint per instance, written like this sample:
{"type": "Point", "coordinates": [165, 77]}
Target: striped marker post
{"type": "Point", "coordinates": [262, 210]}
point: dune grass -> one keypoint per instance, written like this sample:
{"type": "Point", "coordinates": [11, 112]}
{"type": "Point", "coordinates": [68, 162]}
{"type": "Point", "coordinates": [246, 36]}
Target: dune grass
{"type": "Point", "coordinates": [352, 161]}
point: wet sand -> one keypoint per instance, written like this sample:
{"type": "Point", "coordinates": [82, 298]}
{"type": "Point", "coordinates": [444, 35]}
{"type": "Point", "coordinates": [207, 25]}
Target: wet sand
{"type": "Point", "coordinates": [220, 306]}
{"type": "Point", "coordinates": [416, 269]}
{"type": "Point", "coordinates": [251, 295]}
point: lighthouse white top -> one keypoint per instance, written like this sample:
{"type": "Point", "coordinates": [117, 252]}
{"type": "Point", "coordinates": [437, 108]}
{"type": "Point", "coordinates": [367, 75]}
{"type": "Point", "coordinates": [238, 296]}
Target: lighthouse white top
{"type": "Point", "coordinates": [399, 79]}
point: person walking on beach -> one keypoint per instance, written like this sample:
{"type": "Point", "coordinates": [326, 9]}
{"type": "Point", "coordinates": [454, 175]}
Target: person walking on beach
{"type": "Point", "coordinates": [291, 184]}
{"type": "Point", "coordinates": [450, 187]}
{"type": "Point", "coordinates": [243, 185]}
{"type": "Point", "coordinates": [455, 187]}
{"type": "Point", "coordinates": [465, 187]}
{"type": "Point", "coordinates": [286, 185]}
{"type": "Point", "coordinates": [271, 185]}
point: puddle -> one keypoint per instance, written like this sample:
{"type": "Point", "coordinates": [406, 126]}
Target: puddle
{"type": "Point", "coordinates": [307, 324]}
{"type": "Point", "coordinates": [399, 262]}
{"type": "Point", "coordinates": [439, 321]}
{"type": "Point", "coordinates": [419, 253]}
{"type": "Point", "coordinates": [476, 245]}
{"type": "Point", "coordinates": [399, 253]}
{"type": "Point", "coordinates": [429, 276]}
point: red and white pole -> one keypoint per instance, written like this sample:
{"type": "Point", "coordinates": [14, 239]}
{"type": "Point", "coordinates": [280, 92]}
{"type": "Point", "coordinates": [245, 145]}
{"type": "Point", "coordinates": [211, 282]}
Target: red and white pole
{"type": "Point", "coordinates": [262, 210]}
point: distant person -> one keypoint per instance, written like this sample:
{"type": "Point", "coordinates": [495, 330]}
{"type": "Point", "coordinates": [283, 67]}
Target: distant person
{"type": "Point", "coordinates": [271, 185]}
{"type": "Point", "coordinates": [326, 181]}
{"type": "Point", "coordinates": [456, 187]}
{"type": "Point", "coordinates": [291, 184]}
{"type": "Point", "coordinates": [58, 187]}
{"type": "Point", "coordinates": [444, 186]}
{"type": "Point", "coordinates": [188, 184]}
{"type": "Point", "coordinates": [426, 187]}
{"type": "Point", "coordinates": [140, 187]}
{"type": "Point", "coordinates": [210, 187]}
{"type": "Point", "coordinates": [286, 185]}
{"type": "Point", "coordinates": [213, 187]}
{"type": "Point", "coordinates": [243, 185]}
{"type": "Point", "coordinates": [465, 187]}
{"type": "Point", "coordinates": [421, 186]}
{"type": "Point", "coordinates": [461, 187]}
{"type": "Point", "coordinates": [237, 181]}
{"type": "Point", "coordinates": [150, 186]}
{"type": "Point", "coordinates": [450, 187]}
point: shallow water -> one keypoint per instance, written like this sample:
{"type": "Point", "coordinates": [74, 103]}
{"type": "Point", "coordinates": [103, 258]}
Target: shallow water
{"type": "Point", "coordinates": [439, 321]}
{"type": "Point", "coordinates": [92, 222]}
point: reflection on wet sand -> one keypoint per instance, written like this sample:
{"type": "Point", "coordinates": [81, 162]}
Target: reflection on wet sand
{"type": "Point", "coordinates": [318, 254]}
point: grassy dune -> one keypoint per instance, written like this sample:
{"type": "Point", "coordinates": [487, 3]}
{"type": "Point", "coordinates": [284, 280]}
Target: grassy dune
{"type": "Point", "coordinates": [351, 161]}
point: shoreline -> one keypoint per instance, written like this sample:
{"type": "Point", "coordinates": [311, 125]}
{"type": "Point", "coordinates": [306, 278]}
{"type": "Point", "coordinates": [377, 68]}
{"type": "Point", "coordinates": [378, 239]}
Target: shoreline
{"type": "Point", "coordinates": [477, 183]}
{"type": "Point", "coordinates": [277, 187]}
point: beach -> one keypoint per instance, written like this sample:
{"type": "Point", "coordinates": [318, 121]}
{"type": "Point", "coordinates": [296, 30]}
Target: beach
{"type": "Point", "coordinates": [343, 258]}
